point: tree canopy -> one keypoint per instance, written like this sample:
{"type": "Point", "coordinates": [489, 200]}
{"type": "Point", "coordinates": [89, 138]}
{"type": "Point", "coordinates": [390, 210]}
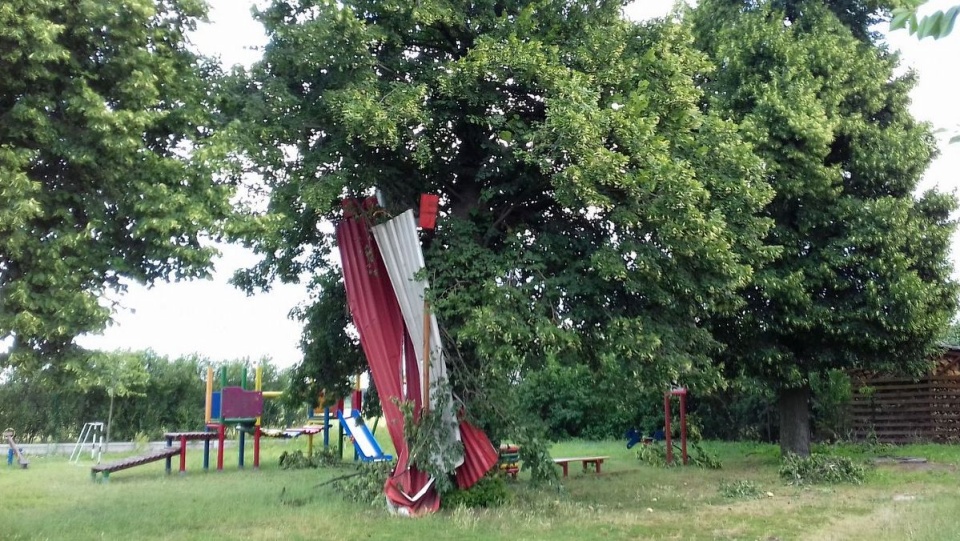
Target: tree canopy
{"type": "Point", "coordinates": [591, 213]}
{"type": "Point", "coordinates": [102, 106]}
{"type": "Point", "coordinates": [863, 278]}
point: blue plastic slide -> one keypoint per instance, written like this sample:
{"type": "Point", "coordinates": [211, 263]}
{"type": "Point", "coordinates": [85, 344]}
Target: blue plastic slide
{"type": "Point", "coordinates": [367, 447]}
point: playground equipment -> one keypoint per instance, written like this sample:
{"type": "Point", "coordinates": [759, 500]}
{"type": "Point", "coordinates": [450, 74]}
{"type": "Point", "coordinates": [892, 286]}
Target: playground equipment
{"type": "Point", "coordinates": [366, 447]}
{"type": "Point", "coordinates": [666, 435]}
{"type": "Point", "coordinates": [682, 393]}
{"type": "Point", "coordinates": [509, 459]}
{"type": "Point", "coordinates": [8, 435]}
{"type": "Point", "coordinates": [92, 432]}
{"type": "Point", "coordinates": [228, 405]}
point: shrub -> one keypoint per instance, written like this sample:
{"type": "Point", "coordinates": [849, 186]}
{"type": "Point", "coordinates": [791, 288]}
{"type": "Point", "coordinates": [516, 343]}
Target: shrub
{"type": "Point", "coordinates": [298, 461]}
{"type": "Point", "coordinates": [832, 393]}
{"type": "Point", "coordinates": [490, 491]}
{"type": "Point", "coordinates": [817, 469]}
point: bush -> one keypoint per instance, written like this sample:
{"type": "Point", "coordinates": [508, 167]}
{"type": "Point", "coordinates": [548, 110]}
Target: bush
{"type": "Point", "coordinates": [832, 394]}
{"type": "Point", "coordinates": [571, 402]}
{"type": "Point", "coordinates": [490, 491]}
{"type": "Point", "coordinates": [298, 461]}
{"type": "Point", "coordinates": [817, 469]}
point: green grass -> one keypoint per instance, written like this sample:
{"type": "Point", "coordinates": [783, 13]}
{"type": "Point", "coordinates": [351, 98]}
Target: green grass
{"type": "Point", "coordinates": [56, 500]}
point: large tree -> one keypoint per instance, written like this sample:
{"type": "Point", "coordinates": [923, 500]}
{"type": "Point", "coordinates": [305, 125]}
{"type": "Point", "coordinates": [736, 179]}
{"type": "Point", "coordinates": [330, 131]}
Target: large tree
{"type": "Point", "coordinates": [863, 279]}
{"type": "Point", "coordinates": [101, 107]}
{"type": "Point", "coordinates": [591, 214]}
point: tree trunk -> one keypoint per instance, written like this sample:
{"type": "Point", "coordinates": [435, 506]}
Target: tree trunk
{"type": "Point", "coordinates": [106, 445]}
{"type": "Point", "coordinates": [795, 421]}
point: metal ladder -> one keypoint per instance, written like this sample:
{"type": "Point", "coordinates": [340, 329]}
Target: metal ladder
{"type": "Point", "coordinates": [94, 433]}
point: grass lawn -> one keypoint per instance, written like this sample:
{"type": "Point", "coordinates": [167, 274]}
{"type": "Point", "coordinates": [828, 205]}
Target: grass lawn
{"type": "Point", "coordinates": [56, 500]}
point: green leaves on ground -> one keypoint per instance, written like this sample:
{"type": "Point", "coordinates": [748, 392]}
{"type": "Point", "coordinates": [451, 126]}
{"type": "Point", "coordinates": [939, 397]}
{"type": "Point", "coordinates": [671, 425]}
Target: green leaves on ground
{"type": "Point", "coordinates": [817, 469]}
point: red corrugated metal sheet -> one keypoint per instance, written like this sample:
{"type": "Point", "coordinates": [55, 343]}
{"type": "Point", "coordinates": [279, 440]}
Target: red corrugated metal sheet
{"type": "Point", "coordinates": [379, 323]}
{"type": "Point", "coordinates": [479, 455]}
{"type": "Point", "coordinates": [387, 344]}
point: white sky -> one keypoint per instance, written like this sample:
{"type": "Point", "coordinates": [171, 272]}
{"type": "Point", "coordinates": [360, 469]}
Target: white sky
{"type": "Point", "coordinates": [214, 319]}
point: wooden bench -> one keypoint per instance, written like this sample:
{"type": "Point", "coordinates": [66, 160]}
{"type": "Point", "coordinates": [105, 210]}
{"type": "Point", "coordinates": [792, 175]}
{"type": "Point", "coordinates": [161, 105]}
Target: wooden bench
{"type": "Point", "coordinates": [107, 469]}
{"type": "Point", "coordinates": [585, 460]}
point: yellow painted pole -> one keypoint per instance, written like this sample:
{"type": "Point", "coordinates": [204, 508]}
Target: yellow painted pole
{"type": "Point", "coordinates": [258, 383]}
{"type": "Point", "coordinates": [309, 445]}
{"type": "Point", "coordinates": [209, 401]}
{"type": "Point", "coordinates": [271, 394]}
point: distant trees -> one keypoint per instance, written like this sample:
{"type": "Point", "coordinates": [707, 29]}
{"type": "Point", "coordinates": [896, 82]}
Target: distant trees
{"type": "Point", "coordinates": [53, 404]}
{"type": "Point", "coordinates": [120, 374]}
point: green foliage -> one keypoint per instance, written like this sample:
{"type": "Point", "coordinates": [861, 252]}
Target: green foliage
{"type": "Point", "coordinates": [107, 162]}
{"type": "Point", "coordinates": [745, 410]}
{"type": "Point", "coordinates": [574, 401]}
{"type": "Point", "coordinates": [938, 24]}
{"type": "Point", "coordinates": [490, 491]}
{"type": "Point", "coordinates": [120, 374]}
{"type": "Point", "coordinates": [832, 394]}
{"type": "Point", "coordinates": [820, 469]}
{"type": "Point", "coordinates": [331, 357]}
{"type": "Point", "coordinates": [535, 456]}
{"type": "Point", "coordinates": [653, 454]}
{"type": "Point", "coordinates": [592, 214]}
{"type": "Point", "coordinates": [366, 486]}
{"type": "Point", "coordinates": [741, 489]}
{"type": "Point", "coordinates": [863, 277]}
{"type": "Point", "coordinates": [429, 444]}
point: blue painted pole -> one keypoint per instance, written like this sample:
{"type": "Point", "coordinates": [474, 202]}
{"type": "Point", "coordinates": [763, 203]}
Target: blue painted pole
{"type": "Point", "coordinates": [9, 457]}
{"type": "Point", "coordinates": [206, 453]}
{"type": "Point", "coordinates": [169, 444]}
{"type": "Point", "coordinates": [326, 429]}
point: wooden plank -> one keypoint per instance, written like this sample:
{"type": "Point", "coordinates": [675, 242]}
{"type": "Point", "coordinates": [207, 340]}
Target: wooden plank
{"type": "Point", "coordinates": [136, 460]}
{"type": "Point", "coordinates": [893, 399]}
{"type": "Point", "coordinates": [191, 436]}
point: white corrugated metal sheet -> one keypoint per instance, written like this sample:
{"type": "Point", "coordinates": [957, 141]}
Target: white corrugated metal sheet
{"type": "Point", "coordinates": [402, 255]}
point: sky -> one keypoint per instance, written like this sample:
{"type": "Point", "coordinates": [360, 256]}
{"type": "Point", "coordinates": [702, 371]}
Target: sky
{"type": "Point", "coordinates": [218, 321]}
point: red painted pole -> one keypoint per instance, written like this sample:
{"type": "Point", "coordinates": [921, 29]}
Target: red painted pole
{"type": "Point", "coordinates": [256, 447]}
{"type": "Point", "coordinates": [666, 428]}
{"type": "Point", "coordinates": [221, 436]}
{"type": "Point", "coordinates": [683, 425]}
{"type": "Point", "coordinates": [183, 454]}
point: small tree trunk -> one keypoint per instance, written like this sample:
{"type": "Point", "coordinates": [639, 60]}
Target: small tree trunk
{"type": "Point", "coordinates": [109, 422]}
{"type": "Point", "coordinates": [795, 421]}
